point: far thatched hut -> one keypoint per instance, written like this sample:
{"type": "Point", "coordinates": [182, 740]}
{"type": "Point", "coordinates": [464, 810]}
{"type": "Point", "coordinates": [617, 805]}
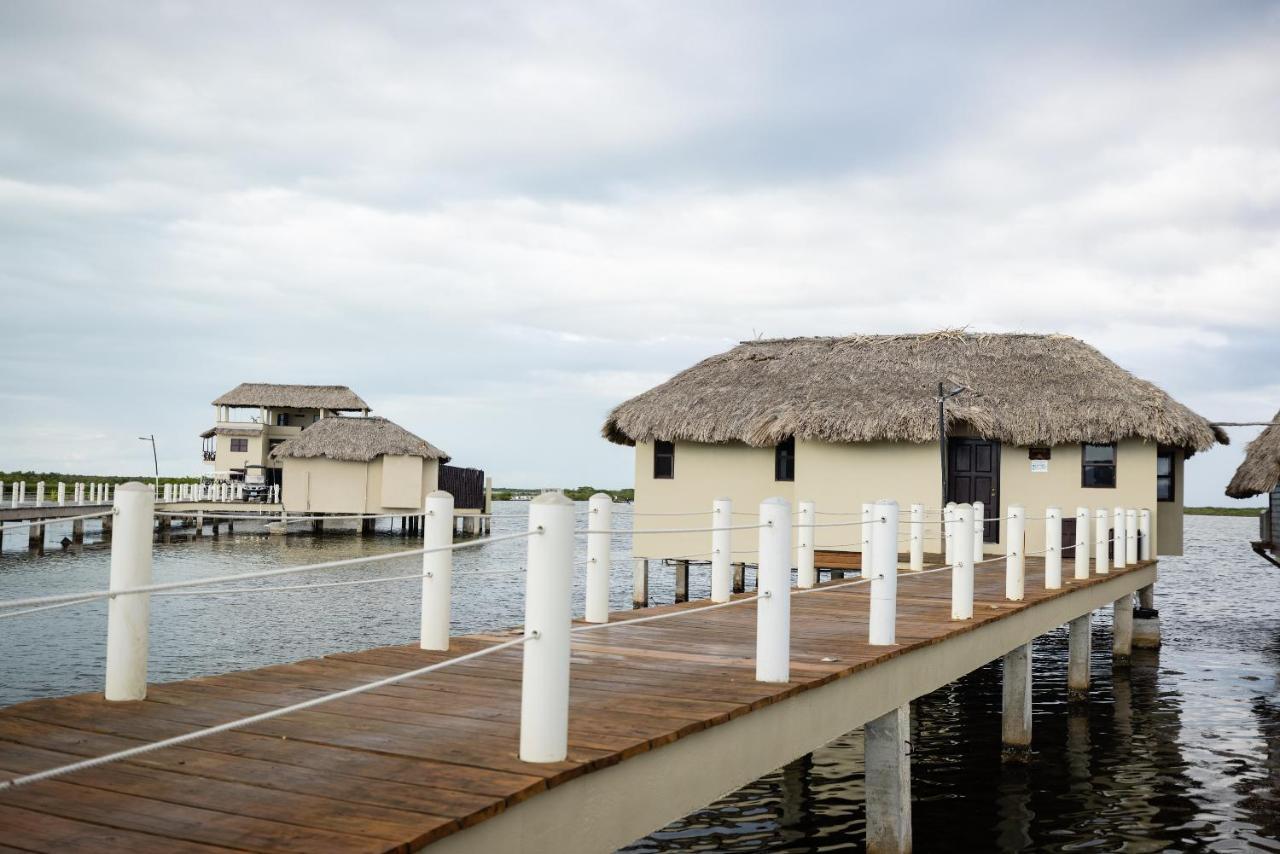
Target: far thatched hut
{"type": "Point", "coordinates": [1042, 420]}
{"type": "Point", "coordinates": [1259, 474]}
{"type": "Point", "coordinates": [357, 465]}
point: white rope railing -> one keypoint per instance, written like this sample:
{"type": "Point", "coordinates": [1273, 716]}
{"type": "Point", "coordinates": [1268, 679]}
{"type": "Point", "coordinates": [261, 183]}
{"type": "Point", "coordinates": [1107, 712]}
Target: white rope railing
{"type": "Point", "coordinates": [676, 530]}
{"type": "Point", "coordinates": [684, 612]}
{"type": "Point", "coordinates": [52, 520]}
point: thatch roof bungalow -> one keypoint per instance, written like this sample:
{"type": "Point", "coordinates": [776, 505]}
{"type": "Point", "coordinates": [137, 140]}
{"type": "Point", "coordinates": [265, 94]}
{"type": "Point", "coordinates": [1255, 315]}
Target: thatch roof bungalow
{"type": "Point", "coordinates": [357, 465]}
{"type": "Point", "coordinates": [1043, 420]}
{"type": "Point", "coordinates": [1259, 474]}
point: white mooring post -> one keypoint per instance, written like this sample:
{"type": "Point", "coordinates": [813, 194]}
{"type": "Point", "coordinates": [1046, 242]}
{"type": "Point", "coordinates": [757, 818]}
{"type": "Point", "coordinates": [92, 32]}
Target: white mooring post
{"type": "Point", "coordinates": [106, 492]}
{"type": "Point", "coordinates": [884, 579]}
{"type": "Point", "coordinates": [168, 493]}
{"type": "Point", "coordinates": [1081, 568]}
{"type": "Point", "coordinates": [128, 616]}
{"type": "Point", "coordinates": [40, 493]}
{"type": "Point", "coordinates": [773, 581]}
{"type": "Point", "coordinates": [62, 494]}
{"type": "Point", "coordinates": [544, 686]}
{"type": "Point", "coordinates": [949, 532]}
{"type": "Point", "coordinates": [1101, 537]}
{"type": "Point", "coordinates": [599, 519]}
{"type": "Point", "coordinates": [979, 530]}
{"type": "Point", "coordinates": [1144, 527]}
{"type": "Point", "coordinates": [437, 569]}
{"type": "Point", "coordinates": [1118, 548]}
{"type": "Point", "coordinates": [22, 493]}
{"type": "Point", "coordinates": [917, 538]}
{"type": "Point", "coordinates": [962, 569]}
{"type": "Point", "coordinates": [806, 575]}
{"type": "Point", "coordinates": [1015, 569]}
{"type": "Point", "coordinates": [721, 547]}
{"type": "Point", "coordinates": [1052, 548]}
{"type": "Point", "coordinates": [1130, 536]}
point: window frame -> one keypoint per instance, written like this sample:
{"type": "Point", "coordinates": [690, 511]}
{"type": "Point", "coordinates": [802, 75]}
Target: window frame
{"type": "Point", "coordinates": [664, 450]}
{"type": "Point", "coordinates": [282, 419]}
{"type": "Point", "coordinates": [242, 443]}
{"type": "Point", "coordinates": [1085, 465]}
{"type": "Point", "coordinates": [784, 460]}
{"type": "Point", "coordinates": [1172, 476]}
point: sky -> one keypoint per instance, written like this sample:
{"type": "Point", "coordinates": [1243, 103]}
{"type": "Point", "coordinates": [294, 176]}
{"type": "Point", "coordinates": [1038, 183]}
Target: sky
{"type": "Point", "coordinates": [496, 221]}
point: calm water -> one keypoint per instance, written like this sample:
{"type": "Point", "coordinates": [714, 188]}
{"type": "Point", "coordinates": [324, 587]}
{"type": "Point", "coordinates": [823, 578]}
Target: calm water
{"type": "Point", "coordinates": [1179, 752]}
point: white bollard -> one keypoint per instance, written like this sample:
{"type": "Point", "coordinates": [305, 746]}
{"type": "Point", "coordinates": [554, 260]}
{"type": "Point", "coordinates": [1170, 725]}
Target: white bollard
{"type": "Point", "coordinates": [40, 493]}
{"type": "Point", "coordinates": [1101, 538]}
{"type": "Point", "coordinates": [949, 532]}
{"type": "Point", "coordinates": [106, 492]}
{"type": "Point", "coordinates": [721, 548]}
{"type": "Point", "coordinates": [1053, 548]}
{"type": "Point", "coordinates": [599, 518]}
{"type": "Point", "coordinates": [806, 575]}
{"type": "Point", "coordinates": [773, 608]}
{"type": "Point", "coordinates": [62, 494]}
{"type": "Point", "coordinates": [544, 686]}
{"type": "Point", "coordinates": [884, 579]}
{"type": "Point", "coordinates": [79, 493]}
{"type": "Point", "coordinates": [1117, 548]}
{"type": "Point", "coordinates": [128, 616]}
{"type": "Point", "coordinates": [168, 493]}
{"type": "Point", "coordinates": [917, 537]}
{"type": "Point", "coordinates": [1, 491]}
{"type": "Point", "coordinates": [979, 530]}
{"type": "Point", "coordinates": [1130, 536]}
{"type": "Point", "coordinates": [22, 492]}
{"type": "Point", "coordinates": [1015, 568]}
{"type": "Point", "coordinates": [962, 569]}
{"type": "Point", "coordinates": [437, 571]}
{"type": "Point", "coordinates": [1144, 527]}
{"type": "Point", "coordinates": [1082, 544]}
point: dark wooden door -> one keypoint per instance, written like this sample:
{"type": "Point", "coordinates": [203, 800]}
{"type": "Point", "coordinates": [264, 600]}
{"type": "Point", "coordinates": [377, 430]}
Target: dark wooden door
{"type": "Point", "coordinates": [973, 474]}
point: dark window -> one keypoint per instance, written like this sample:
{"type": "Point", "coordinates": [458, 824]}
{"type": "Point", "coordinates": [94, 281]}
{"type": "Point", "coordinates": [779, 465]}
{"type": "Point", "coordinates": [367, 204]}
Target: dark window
{"type": "Point", "coordinates": [784, 460]}
{"type": "Point", "coordinates": [664, 459]}
{"type": "Point", "coordinates": [1164, 475]}
{"type": "Point", "coordinates": [1038, 453]}
{"type": "Point", "coordinates": [1098, 465]}
{"type": "Point", "coordinates": [240, 446]}
{"type": "Point", "coordinates": [282, 419]}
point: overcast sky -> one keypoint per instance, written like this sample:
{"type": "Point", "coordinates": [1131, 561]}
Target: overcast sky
{"type": "Point", "coordinates": [495, 221]}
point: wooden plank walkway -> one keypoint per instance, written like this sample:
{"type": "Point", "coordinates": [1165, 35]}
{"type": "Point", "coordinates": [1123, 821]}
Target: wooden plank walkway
{"type": "Point", "coordinates": [408, 764]}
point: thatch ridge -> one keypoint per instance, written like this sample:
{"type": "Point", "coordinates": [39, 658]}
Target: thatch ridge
{"type": "Point", "coordinates": [1027, 389]}
{"type": "Point", "coordinates": [356, 439]}
{"type": "Point", "coordinates": [1260, 471]}
{"type": "Point", "coordinates": [338, 398]}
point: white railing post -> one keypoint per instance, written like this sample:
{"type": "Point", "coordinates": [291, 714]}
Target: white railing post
{"type": "Point", "coordinates": [1082, 543]}
{"type": "Point", "coordinates": [721, 548]}
{"type": "Point", "coordinates": [1130, 536]}
{"type": "Point", "coordinates": [962, 568]}
{"type": "Point", "coordinates": [106, 492]}
{"type": "Point", "coordinates": [128, 616]}
{"type": "Point", "coordinates": [437, 571]}
{"type": "Point", "coordinates": [1015, 568]}
{"type": "Point", "coordinates": [773, 608]}
{"type": "Point", "coordinates": [62, 494]}
{"type": "Point", "coordinates": [806, 574]}
{"type": "Point", "coordinates": [979, 530]}
{"type": "Point", "coordinates": [917, 537]}
{"type": "Point", "coordinates": [168, 493]}
{"type": "Point", "coordinates": [599, 519]}
{"type": "Point", "coordinates": [1052, 548]}
{"type": "Point", "coordinates": [544, 686]}
{"type": "Point", "coordinates": [884, 574]}
{"type": "Point", "coordinates": [79, 493]}
{"type": "Point", "coordinates": [949, 533]}
{"type": "Point", "coordinates": [1118, 548]}
{"type": "Point", "coordinates": [1144, 526]}
{"type": "Point", "coordinates": [1101, 535]}
{"type": "Point", "coordinates": [40, 493]}
{"type": "Point", "coordinates": [21, 497]}
{"type": "Point", "coordinates": [1, 491]}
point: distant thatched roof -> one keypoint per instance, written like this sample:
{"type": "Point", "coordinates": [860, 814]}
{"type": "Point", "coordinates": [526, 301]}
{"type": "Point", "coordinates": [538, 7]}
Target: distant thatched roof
{"type": "Point", "coordinates": [1260, 471]}
{"type": "Point", "coordinates": [339, 398]}
{"type": "Point", "coordinates": [232, 431]}
{"type": "Point", "coordinates": [1025, 390]}
{"type": "Point", "coordinates": [358, 439]}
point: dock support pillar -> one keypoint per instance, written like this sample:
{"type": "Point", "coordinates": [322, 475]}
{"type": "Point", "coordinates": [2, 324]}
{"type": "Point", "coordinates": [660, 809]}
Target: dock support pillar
{"type": "Point", "coordinates": [640, 583]}
{"type": "Point", "coordinates": [1078, 648]}
{"type": "Point", "coordinates": [682, 581]}
{"type": "Point", "coordinates": [1122, 630]}
{"type": "Point", "coordinates": [1015, 720]}
{"type": "Point", "coordinates": [888, 782]}
{"type": "Point", "coordinates": [77, 531]}
{"type": "Point", "coordinates": [739, 578]}
{"type": "Point", "coordinates": [107, 523]}
{"type": "Point", "coordinates": [1146, 620]}
{"type": "Point", "coordinates": [35, 537]}
{"type": "Point", "coordinates": [199, 523]}
{"type": "Point", "coordinates": [317, 526]}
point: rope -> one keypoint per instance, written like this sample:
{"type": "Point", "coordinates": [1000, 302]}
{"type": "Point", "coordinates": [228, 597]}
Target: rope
{"type": "Point", "coordinates": [267, 573]}
{"type": "Point", "coordinates": [6, 526]}
{"type": "Point", "coordinates": [676, 530]}
{"type": "Point", "coordinates": [131, 752]}
{"type": "Point", "coordinates": [670, 614]}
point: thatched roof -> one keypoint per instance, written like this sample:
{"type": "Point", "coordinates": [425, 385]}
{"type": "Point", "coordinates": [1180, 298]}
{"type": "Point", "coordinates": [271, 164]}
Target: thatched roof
{"type": "Point", "coordinates": [1025, 390]}
{"type": "Point", "coordinates": [232, 431]}
{"type": "Point", "coordinates": [338, 398]}
{"type": "Point", "coordinates": [1260, 471]}
{"type": "Point", "coordinates": [357, 439]}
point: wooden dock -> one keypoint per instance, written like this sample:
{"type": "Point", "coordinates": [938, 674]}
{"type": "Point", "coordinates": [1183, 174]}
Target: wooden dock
{"type": "Point", "coordinates": [434, 759]}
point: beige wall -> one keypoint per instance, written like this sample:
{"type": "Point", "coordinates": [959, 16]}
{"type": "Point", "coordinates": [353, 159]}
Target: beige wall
{"type": "Point", "coordinates": [225, 460]}
{"type": "Point", "coordinates": [334, 486]}
{"type": "Point", "coordinates": [1168, 520]}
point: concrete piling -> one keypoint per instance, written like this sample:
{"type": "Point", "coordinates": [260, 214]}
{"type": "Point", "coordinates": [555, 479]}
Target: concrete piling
{"type": "Point", "coordinates": [640, 583]}
{"type": "Point", "coordinates": [1122, 630]}
{"type": "Point", "coordinates": [1079, 645]}
{"type": "Point", "coordinates": [887, 747]}
{"type": "Point", "coordinates": [682, 581]}
{"type": "Point", "coordinates": [739, 578]}
{"type": "Point", "coordinates": [1015, 722]}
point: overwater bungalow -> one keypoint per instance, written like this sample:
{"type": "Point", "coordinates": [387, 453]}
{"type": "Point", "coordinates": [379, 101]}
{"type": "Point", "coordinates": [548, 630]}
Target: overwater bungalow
{"type": "Point", "coordinates": [1039, 420]}
{"type": "Point", "coordinates": [1259, 474]}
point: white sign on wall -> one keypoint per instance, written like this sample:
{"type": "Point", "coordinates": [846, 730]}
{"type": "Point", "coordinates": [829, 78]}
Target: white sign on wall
{"type": "Point", "coordinates": [1039, 466]}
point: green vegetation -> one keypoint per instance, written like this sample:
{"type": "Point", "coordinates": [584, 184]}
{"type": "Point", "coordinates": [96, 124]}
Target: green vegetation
{"type": "Point", "coordinates": [52, 479]}
{"type": "Point", "coordinates": [581, 493]}
{"type": "Point", "coordinates": [1223, 511]}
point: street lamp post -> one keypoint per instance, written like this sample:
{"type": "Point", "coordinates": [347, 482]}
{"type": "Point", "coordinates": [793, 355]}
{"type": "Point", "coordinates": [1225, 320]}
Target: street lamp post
{"type": "Point", "coordinates": [154, 459]}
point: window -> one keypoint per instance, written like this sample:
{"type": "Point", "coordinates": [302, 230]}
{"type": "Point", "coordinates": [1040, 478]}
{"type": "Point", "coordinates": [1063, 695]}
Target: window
{"type": "Point", "coordinates": [239, 446]}
{"type": "Point", "coordinates": [784, 460]}
{"type": "Point", "coordinates": [282, 419]}
{"type": "Point", "coordinates": [1098, 465]}
{"type": "Point", "coordinates": [1165, 489]}
{"type": "Point", "coordinates": [664, 460]}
